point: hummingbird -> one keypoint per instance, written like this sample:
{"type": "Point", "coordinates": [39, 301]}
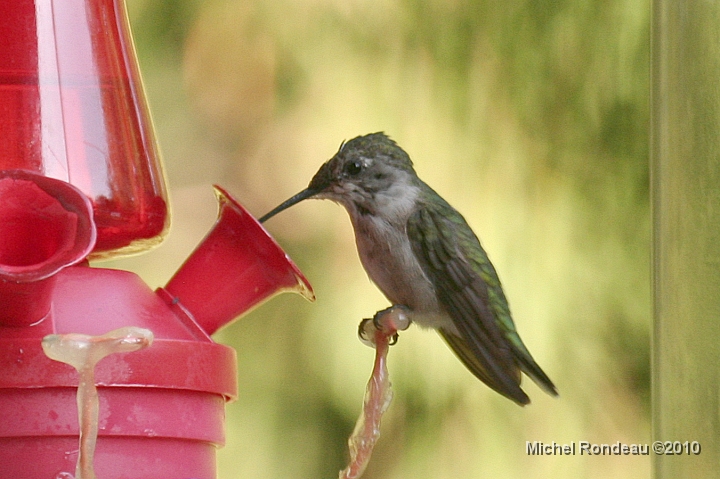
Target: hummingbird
{"type": "Point", "coordinates": [425, 258]}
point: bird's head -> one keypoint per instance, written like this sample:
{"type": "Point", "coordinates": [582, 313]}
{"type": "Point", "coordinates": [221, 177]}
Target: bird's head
{"type": "Point", "coordinates": [366, 174]}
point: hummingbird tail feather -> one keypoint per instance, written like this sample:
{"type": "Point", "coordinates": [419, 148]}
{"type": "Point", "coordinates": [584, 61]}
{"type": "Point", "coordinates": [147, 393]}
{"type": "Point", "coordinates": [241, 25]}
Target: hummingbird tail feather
{"type": "Point", "coordinates": [534, 372]}
{"type": "Point", "coordinates": [470, 360]}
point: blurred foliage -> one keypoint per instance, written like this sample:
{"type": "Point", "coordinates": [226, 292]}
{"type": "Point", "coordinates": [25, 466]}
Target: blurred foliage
{"type": "Point", "coordinates": [529, 116]}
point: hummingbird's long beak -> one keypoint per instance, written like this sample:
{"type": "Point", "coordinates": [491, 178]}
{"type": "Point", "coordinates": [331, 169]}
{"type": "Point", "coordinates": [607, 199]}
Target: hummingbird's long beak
{"type": "Point", "coordinates": [303, 195]}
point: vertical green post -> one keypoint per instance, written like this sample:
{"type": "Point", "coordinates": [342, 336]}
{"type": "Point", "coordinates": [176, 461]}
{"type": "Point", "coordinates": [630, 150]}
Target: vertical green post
{"type": "Point", "coordinates": [685, 149]}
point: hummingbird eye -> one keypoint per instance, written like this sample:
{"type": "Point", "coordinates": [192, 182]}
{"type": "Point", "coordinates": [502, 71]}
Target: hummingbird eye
{"type": "Point", "coordinates": [353, 168]}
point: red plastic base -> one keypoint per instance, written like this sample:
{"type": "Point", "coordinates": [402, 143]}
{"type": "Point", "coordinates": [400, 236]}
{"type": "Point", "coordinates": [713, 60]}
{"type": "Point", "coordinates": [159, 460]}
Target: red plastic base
{"type": "Point", "coordinates": [49, 457]}
{"type": "Point", "coordinates": [162, 409]}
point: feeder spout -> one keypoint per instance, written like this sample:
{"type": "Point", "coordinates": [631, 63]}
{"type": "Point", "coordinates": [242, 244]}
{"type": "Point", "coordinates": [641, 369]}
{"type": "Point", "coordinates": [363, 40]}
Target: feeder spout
{"type": "Point", "coordinates": [236, 267]}
{"type": "Point", "coordinates": [45, 226]}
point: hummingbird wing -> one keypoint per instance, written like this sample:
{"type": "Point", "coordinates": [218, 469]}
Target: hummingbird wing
{"type": "Point", "coordinates": [469, 289]}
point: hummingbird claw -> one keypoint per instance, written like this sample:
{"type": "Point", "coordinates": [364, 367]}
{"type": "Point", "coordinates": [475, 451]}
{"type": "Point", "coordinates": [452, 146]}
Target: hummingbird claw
{"type": "Point", "coordinates": [377, 320]}
{"type": "Point", "coordinates": [366, 332]}
{"type": "Point", "coordinates": [388, 321]}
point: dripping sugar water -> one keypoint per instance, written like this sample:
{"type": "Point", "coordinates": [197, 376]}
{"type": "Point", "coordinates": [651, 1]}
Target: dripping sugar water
{"type": "Point", "coordinates": [83, 352]}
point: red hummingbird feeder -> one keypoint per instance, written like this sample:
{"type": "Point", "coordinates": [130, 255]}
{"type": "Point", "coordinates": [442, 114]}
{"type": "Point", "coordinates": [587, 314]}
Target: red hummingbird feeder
{"type": "Point", "coordinates": [80, 177]}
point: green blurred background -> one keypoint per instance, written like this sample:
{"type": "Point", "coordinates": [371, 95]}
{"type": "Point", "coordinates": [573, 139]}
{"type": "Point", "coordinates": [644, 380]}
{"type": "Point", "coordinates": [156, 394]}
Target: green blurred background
{"type": "Point", "coordinates": [529, 116]}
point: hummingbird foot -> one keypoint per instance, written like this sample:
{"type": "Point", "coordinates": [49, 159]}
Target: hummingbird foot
{"type": "Point", "coordinates": [387, 321]}
{"type": "Point", "coordinates": [367, 331]}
